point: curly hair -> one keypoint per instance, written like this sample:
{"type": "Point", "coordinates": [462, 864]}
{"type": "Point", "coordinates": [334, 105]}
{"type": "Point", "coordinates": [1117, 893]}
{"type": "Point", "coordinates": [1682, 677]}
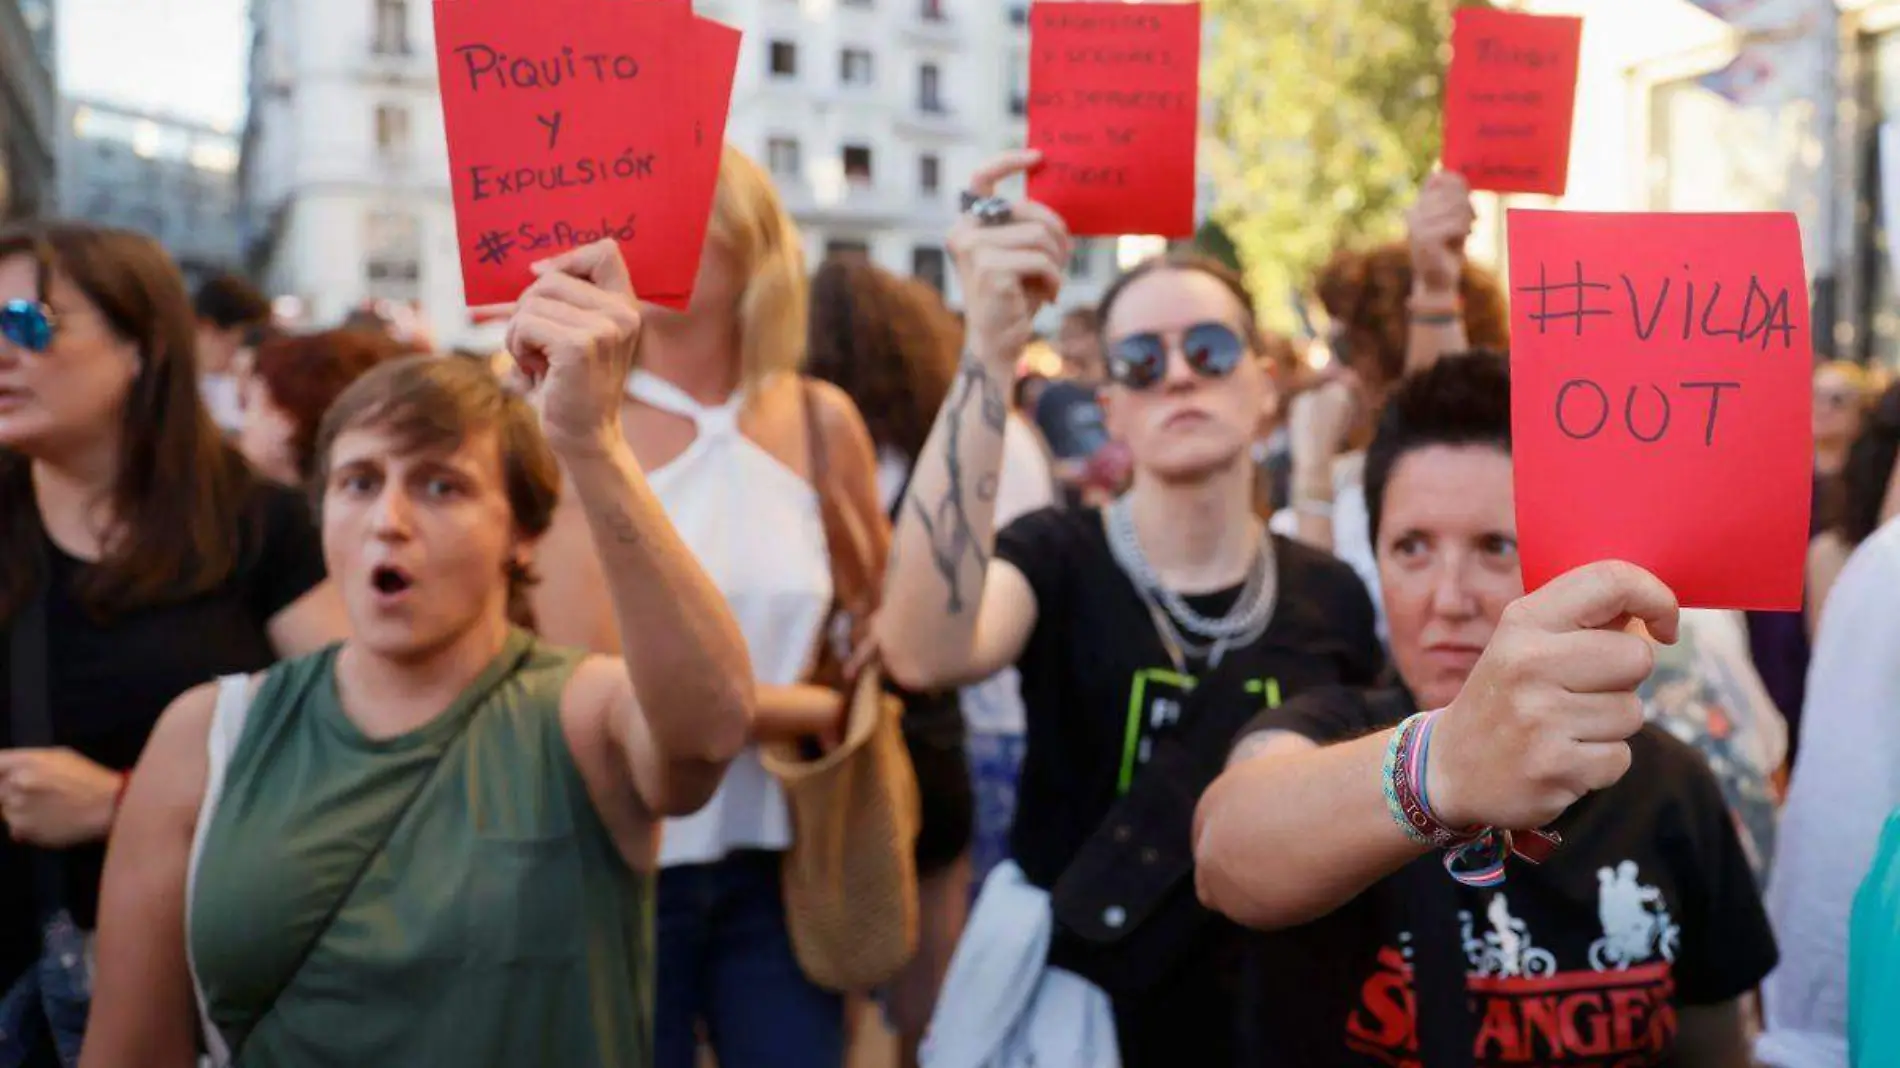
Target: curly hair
{"type": "Point", "coordinates": [889, 343]}
{"type": "Point", "coordinates": [1364, 291]}
{"type": "Point", "coordinates": [304, 375]}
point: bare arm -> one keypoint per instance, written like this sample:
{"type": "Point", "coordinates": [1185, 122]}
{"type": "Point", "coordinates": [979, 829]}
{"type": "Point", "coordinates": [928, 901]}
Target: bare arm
{"type": "Point", "coordinates": [1258, 859]}
{"type": "Point", "coordinates": [309, 623]}
{"type": "Point", "coordinates": [1711, 1036]}
{"type": "Point", "coordinates": [1827, 555]}
{"type": "Point", "coordinates": [1438, 227]}
{"type": "Point", "coordinates": [686, 709]}
{"type": "Point", "coordinates": [952, 615]}
{"type": "Point", "coordinates": [689, 680]}
{"type": "Point", "coordinates": [143, 1010]}
{"type": "Point", "coordinates": [1291, 831]}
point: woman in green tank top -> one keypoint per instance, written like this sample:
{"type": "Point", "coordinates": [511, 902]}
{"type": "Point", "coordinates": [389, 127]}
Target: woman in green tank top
{"type": "Point", "coordinates": [433, 844]}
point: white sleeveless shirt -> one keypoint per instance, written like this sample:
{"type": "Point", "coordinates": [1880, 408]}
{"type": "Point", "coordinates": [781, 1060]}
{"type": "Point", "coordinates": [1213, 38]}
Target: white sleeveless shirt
{"type": "Point", "coordinates": [755, 526]}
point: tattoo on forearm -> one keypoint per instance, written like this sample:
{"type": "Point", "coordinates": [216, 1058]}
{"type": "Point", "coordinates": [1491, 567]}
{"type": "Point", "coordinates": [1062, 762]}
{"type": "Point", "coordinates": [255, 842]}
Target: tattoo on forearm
{"type": "Point", "coordinates": [621, 525]}
{"type": "Point", "coordinates": [948, 529]}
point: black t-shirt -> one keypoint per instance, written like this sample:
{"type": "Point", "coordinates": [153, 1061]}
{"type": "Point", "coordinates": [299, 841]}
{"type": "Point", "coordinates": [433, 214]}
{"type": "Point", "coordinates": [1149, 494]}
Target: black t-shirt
{"type": "Point", "coordinates": [1070, 418]}
{"type": "Point", "coordinates": [1585, 960]}
{"type": "Point", "coordinates": [108, 683]}
{"type": "Point", "coordinates": [1099, 690]}
{"type": "Point", "coordinates": [1098, 686]}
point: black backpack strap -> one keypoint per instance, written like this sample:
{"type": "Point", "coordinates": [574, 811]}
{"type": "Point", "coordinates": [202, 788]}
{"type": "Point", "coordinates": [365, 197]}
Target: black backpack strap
{"type": "Point", "coordinates": [31, 710]}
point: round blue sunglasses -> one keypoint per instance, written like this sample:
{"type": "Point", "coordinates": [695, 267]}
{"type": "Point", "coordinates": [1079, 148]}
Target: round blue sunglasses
{"type": "Point", "coordinates": [28, 324]}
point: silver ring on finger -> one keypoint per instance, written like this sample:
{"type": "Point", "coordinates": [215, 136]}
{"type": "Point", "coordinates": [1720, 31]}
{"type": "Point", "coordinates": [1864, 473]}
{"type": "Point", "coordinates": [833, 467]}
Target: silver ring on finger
{"type": "Point", "coordinates": [991, 211]}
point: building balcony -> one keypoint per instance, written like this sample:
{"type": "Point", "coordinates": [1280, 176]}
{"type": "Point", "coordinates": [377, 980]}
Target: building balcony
{"type": "Point", "coordinates": [934, 121]}
{"type": "Point", "coordinates": [845, 202]}
{"type": "Point", "coordinates": [397, 62]}
{"type": "Point", "coordinates": [927, 24]}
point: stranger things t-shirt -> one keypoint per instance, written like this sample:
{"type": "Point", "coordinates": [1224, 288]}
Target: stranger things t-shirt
{"type": "Point", "coordinates": [1586, 961]}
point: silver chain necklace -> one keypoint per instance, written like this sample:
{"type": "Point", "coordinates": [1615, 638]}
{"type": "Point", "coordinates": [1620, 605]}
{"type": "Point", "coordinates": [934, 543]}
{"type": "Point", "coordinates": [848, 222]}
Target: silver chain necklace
{"type": "Point", "coordinates": [1245, 620]}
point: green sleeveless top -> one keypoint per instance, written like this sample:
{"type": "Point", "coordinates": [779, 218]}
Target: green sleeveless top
{"type": "Point", "coordinates": [499, 927]}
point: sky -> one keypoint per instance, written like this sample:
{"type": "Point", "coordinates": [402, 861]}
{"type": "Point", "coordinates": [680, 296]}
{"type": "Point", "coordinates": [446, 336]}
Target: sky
{"type": "Point", "coordinates": [187, 57]}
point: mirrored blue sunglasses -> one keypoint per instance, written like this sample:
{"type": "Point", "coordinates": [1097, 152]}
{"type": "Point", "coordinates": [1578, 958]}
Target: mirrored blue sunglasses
{"type": "Point", "coordinates": [28, 324]}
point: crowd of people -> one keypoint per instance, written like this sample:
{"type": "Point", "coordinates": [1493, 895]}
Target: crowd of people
{"type": "Point", "coordinates": [368, 705]}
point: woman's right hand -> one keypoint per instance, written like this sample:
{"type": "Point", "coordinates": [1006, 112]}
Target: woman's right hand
{"type": "Point", "coordinates": [1547, 714]}
{"type": "Point", "coordinates": [1007, 271]}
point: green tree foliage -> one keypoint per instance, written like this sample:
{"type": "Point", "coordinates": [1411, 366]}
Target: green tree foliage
{"type": "Point", "coordinates": [1213, 240]}
{"type": "Point", "coordinates": [1324, 117]}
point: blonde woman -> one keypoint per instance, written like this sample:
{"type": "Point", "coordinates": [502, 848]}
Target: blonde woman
{"type": "Point", "coordinates": [716, 413]}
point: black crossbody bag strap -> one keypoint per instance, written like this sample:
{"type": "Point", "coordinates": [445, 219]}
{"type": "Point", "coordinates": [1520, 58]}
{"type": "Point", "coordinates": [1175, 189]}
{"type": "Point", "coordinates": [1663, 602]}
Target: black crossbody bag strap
{"type": "Point", "coordinates": [31, 711]}
{"type": "Point", "coordinates": [394, 823]}
{"type": "Point", "coordinates": [1128, 895]}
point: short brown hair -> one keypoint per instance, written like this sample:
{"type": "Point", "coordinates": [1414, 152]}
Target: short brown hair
{"type": "Point", "coordinates": [1185, 260]}
{"type": "Point", "coordinates": [306, 373]}
{"type": "Point", "coordinates": [179, 493]}
{"type": "Point", "coordinates": [429, 403]}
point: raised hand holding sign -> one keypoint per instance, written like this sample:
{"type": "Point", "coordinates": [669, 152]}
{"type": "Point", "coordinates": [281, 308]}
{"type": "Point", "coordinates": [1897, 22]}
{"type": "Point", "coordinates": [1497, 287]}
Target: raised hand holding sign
{"type": "Point", "coordinates": [577, 330]}
{"type": "Point", "coordinates": [1660, 403]}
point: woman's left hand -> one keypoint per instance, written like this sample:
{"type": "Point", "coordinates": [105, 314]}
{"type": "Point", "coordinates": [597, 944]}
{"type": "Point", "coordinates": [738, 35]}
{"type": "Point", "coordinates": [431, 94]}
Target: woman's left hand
{"type": "Point", "coordinates": [576, 331]}
{"type": "Point", "coordinates": [55, 798]}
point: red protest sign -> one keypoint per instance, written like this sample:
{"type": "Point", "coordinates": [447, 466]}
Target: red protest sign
{"type": "Point", "coordinates": [545, 149]}
{"type": "Point", "coordinates": [708, 93]}
{"type": "Point", "coordinates": [1509, 99]}
{"type": "Point", "coordinates": [1114, 104]}
{"type": "Point", "coordinates": [1660, 404]}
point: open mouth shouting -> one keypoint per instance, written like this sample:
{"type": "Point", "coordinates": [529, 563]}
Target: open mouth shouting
{"type": "Point", "coordinates": [391, 584]}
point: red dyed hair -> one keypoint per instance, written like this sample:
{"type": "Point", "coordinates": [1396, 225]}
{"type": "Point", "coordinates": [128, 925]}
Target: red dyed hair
{"type": "Point", "coordinates": [305, 374]}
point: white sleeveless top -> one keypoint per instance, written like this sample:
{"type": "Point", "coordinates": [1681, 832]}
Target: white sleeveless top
{"type": "Point", "coordinates": [755, 526]}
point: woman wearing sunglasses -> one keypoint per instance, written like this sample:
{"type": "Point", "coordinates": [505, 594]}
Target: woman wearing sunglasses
{"type": "Point", "coordinates": [1145, 632]}
{"type": "Point", "coordinates": [139, 556]}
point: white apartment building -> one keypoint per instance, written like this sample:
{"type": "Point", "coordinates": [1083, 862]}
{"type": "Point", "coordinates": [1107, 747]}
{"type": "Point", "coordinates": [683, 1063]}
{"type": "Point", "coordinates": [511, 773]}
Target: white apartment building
{"type": "Point", "coordinates": [868, 112]}
{"type": "Point", "coordinates": [172, 178]}
{"type": "Point", "coordinates": [345, 168]}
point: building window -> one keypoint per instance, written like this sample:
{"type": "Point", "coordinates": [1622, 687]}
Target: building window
{"type": "Point", "coordinates": [857, 164]}
{"type": "Point", "coordinates": [1018, 73]}
{"type": "Point", "coordinates": [784, 59]}
{"type": "Point", "coordinates": [854, 67]}
{"type": "Point", "coordinates": [930, 89]}
{"type": "Point", "coordinates": [393, 266]}
{"type": "Point", "coordinates": [855, 251]}
{"type": "Point", "coordinates": [1082, 259]}
{"type": "Point", "coordinates": [933, 10]}
{"type": "Point", "coordinates": [781, 157]}
{"type": "Point", "coordinates": [1018, 13]}
{"type": "Point", "coordinates": [392, 129]}
{"type": "Point", "coordinates": [927, 263]}
{"type": "Point", "coordinates": [392, 27]}
{"type": "Point", "coordinates": [929, 174]}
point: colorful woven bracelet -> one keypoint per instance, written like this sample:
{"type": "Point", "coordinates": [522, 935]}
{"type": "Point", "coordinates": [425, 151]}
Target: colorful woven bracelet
{"type": "Point", "coordinates": [1396, 752]}
{"type": "Point", "coordinates": [1408, 785]}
